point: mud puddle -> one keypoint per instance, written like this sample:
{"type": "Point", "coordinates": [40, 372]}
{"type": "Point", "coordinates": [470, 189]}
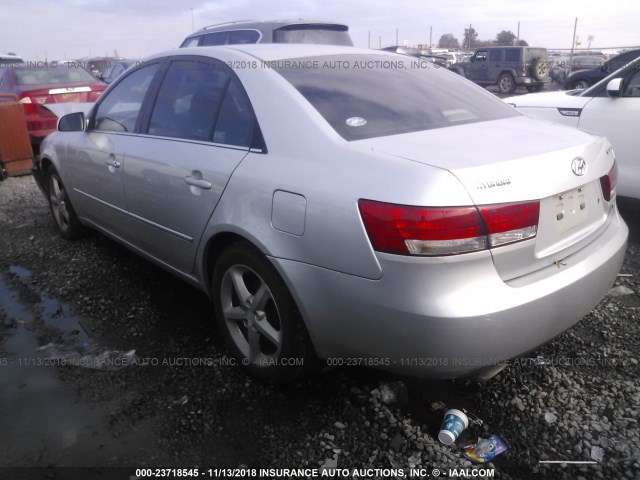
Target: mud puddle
{"type": "Point", "coordinates": [43, 423]}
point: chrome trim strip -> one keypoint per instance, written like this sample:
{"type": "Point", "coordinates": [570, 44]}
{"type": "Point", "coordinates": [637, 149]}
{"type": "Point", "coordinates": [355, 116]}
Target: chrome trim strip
{"type": "Point", "coordinates": [197, 142]}
{"type": "Point", "coordinates": [55, 91]}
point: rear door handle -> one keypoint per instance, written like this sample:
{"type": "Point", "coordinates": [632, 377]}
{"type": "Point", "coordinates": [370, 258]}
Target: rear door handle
{"type": "Point", "coordinates": [198, 182]}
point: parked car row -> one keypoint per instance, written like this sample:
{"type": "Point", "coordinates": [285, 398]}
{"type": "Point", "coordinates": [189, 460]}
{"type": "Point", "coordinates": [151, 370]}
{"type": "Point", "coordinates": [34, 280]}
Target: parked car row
{"type": "Point", "coordinates": [563, 66]}
{"type": "Point", "coordinates": [35, 86]}
{"type": "Point", "coordinates": [582, 78]}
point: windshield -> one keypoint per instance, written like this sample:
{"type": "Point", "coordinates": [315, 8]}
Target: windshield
{"type": "Point", "coordinates": [313, 33]}
{"type": "Point", "coordinates": [63, 74]}
{"type": "Point", "coordinates": [365, 96]}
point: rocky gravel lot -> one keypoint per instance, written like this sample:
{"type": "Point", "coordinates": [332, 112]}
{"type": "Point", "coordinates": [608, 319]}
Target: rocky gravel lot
{"type": "Point", "coordinates": [577, 399]}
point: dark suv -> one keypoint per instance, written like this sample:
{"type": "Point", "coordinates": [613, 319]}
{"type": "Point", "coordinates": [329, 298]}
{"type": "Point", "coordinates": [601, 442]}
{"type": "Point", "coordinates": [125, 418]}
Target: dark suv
{"type": "Point", "coordinates": [278, 31]}
{"type": "Point", "coordinates": [507, 67]}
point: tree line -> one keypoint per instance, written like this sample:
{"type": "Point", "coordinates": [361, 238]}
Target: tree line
{"type": "Point", "coordinates": [470, 40]}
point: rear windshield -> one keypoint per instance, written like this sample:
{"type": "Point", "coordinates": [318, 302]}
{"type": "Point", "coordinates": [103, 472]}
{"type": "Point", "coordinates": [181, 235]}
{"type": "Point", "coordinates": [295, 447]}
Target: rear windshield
{"type": "Point", "coordinates": [63, 74]}
{"type": "Point", "coordinates": [318, 34]}
{"type": "Point", "coordinates": [367, 96]}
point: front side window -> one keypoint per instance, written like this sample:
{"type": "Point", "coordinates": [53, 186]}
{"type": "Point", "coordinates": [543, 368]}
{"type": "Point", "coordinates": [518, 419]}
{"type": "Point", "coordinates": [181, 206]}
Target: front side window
{"type": "Point", "coordinates": [386, 95]}
{"type": "Point", "coordinates": [480, 56]}
{"type": "Point", "coordinates": [119, 109]}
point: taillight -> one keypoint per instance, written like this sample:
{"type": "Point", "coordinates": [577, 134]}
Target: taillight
{"type": "Point", "coordinates": [609, 182]}
{"type": "Point", "coordinates": [509, 223]}
{"type": "Point", "coordinates": [433, 231]}
{"type": "Point", "coordinates": [93, 96]}
{"type": "Point", "coordinates": [30, 108]}
{"type": "Point", "coordinates": [31, 104]}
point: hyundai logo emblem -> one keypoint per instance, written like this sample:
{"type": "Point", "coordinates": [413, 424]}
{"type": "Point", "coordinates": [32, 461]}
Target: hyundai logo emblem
{"type": "Point", "coordinates": [579, 166]}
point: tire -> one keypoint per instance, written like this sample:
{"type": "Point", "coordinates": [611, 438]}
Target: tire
{"type": "Point", "coordinates": [506, 84]}
{"type": "Point", "coordinates": [580, 84]}
{"type": "Point", "coordinates": [64, 216]}
{"type": "Point", "coordinates": [540, 69]}
{"type": "Point", "coordinates": [258, 316]}
{"type": "Point", "coordinates": [534, 88]}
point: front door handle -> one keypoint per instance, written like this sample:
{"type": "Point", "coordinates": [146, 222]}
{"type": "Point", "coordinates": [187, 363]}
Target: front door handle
{"type": "Point", "coordinates": [112, 163]}
{"type": "Point", "coordinates": [198, 181]}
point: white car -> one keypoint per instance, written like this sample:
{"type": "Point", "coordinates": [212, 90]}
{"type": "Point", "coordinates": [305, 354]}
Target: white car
{"type": "Point", "coordinates": [610, 108]}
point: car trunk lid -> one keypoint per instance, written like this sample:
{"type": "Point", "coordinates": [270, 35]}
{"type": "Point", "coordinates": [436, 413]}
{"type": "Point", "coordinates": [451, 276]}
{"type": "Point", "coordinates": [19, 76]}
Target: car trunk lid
{"type": "Point", "coordinates": [558, 166]}
{"type": "Point", "coordinates": [41, 95]}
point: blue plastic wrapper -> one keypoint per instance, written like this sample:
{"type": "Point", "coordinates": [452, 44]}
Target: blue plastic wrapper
{"type": "Point", "coordinates": [485, 449]}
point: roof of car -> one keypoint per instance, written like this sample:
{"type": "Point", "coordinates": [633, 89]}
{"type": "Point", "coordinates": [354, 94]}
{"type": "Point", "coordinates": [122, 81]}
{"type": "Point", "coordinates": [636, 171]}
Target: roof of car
{"type": "Point", "coordinates": [274, 51]}
{"type": "Point", "coordinates": [257, 24]}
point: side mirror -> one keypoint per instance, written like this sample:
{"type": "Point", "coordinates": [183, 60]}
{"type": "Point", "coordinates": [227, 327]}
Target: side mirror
{"type": "Point", "coordinates": [614, 88]}
{"type": "Point", "coordinates": [73, 122]}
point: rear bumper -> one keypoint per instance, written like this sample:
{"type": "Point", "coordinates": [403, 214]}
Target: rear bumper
{"type": "Point", "coordinates": [452, 316]}
{"type": "Point", "coordinates": [40, 126]}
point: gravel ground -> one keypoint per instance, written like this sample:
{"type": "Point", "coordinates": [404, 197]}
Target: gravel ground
{"type": "Point", "coordinates": [575, 399]}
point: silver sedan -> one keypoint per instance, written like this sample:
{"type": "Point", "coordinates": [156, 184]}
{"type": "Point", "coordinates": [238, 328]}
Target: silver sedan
{"type": "Point", "coordinates": [361, 207]}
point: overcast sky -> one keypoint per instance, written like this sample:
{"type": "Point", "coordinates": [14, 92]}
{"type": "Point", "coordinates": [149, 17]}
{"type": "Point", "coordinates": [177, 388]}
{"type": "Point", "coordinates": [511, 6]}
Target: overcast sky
{"type": "Point", "coordinates": [70, 29]}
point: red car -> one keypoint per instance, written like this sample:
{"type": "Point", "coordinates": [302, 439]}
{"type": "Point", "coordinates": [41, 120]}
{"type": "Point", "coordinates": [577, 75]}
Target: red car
{"type": "Point", "coordinates": [41, 84]}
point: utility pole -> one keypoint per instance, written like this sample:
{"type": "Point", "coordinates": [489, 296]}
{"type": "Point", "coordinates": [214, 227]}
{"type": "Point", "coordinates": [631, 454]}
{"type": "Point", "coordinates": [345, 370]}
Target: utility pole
{"type": "Point", "coordinates": [573, 44]}
{"type": "Point", "coordinates": [369, 40]}
{"type": "Point", "coordinates": [469, 36]}
{"type": "Point", "coordinates": [379, 42]}
{"type": "Point", "coordinates": [192, 22]}
{"type": "Point", "coordinates": [518, 37]}
{"type": "Point", "coordinates": [396, 37]}
{"type": "Point", "coordinates": [430, 33]}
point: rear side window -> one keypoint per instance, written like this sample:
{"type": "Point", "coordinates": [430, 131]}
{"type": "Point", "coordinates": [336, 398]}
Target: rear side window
{"type": "Point", "coordinates": [313, 33]}
{"type": "Point", "coordinates": [495, 55]}
{"type": "Point", "coordinates": [120, 107]}
{"type": "Point", "coordinates": [243, 36]}
{"type": "Point", "coordinates": [190, 42]}
{"type": "Point", "coordinates": [231, 37]}
{"type": "Point", "coordinates": [202, 101]}
{"type": "Point", "coordinates": [386, 95]}
{"type": "Point", "coordinates": [235, 120]}
{"type": "Point", "coordinates": [188, 100]}
{"type": "Point", "coordinates": [512, 55]}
